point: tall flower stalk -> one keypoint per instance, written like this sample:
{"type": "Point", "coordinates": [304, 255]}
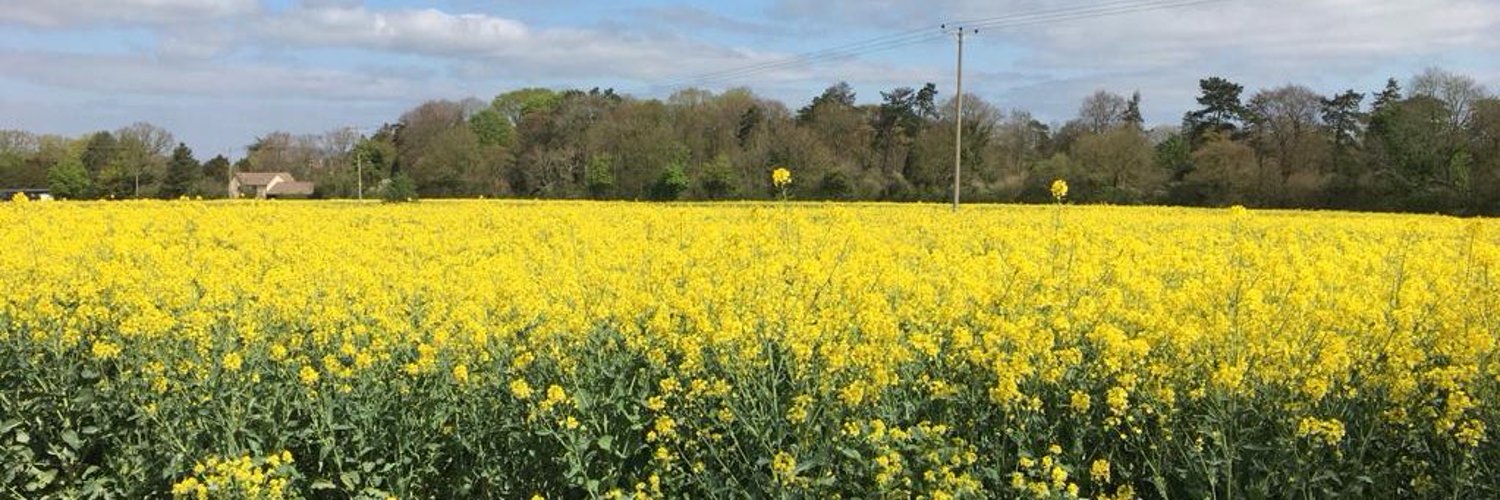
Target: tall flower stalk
{"type": "Point", "coordinates": [781, 178]}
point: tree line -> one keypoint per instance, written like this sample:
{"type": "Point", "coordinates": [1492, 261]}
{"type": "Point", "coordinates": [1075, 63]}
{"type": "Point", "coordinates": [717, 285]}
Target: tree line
{"type": "Point", "coordinates": [1430, 145]}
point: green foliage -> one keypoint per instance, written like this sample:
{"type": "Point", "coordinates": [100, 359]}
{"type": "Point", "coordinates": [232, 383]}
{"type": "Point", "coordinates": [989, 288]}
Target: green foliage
{"type": "Point", "coordinates": [69, 180]}
{"type": "Point", "coordinates": [183, 172]}
{"type": "Point", "coordinates": [718, 178]}
{"type": "Point", "coordinates": [835, 185]}
{"type": "Point", "coordinates": [672, 182]}
{"type": "Point", "coordinates": [600, 176]}
{"type": "Point", "coordinates": [1174, 156]}
{"type": "Point", "coordinates": [1222, 110]}
{"type": "Point", "coordinates": [378, 157]}
{"type": "Point", "coordinates": [836, 96]}
{"type": "Point", "coordinates": [100, 152]}
{"type": "Point", "coordinates": [399, 189]}
{"type": "Point", "coordinates": [216, 169]}
{"type": "Point", "coordinates": [517, 104]}
{"type": "Point", "coordinates": [1308, 150]}
{"type": "Point", "coordinates": [491, 128]}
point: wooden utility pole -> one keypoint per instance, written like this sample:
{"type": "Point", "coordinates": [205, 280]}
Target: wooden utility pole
{"type": "Point", "coordinates": [958, 120]}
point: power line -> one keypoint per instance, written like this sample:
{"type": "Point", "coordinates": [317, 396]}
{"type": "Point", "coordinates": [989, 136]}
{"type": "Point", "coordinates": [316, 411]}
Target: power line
{"type": "Point", "coordinates": [1096, 9]}
{"type": "Point", "coordinates": [913, 37]}
{"type": "Point", "coordinates": [1093, 12]}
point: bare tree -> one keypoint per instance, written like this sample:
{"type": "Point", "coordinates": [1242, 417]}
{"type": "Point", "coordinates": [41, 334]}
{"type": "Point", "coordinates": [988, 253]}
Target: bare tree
{"type": "Point", "coordinates": [1458, 92]}
{"type": "Point", "coordinates": [1287, 130]}
{"type": "Point", "coordinates": [1103, 110]}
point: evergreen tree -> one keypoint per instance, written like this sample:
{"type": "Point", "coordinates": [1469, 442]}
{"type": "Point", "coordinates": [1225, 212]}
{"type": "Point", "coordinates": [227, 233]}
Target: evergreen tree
{"type": "Point", "coordinates": [1132, 115]}
{"type": "Point", "coordinates": [1386, 97]}
{"type": "Point", "coordinates": [102, 150]}
{"type": "Point", "coordinates": [1222, 110]}
{"type": "Point", "coordinates": [1342, 116]}
{"type": "Point", "coordinates": [182, 172]}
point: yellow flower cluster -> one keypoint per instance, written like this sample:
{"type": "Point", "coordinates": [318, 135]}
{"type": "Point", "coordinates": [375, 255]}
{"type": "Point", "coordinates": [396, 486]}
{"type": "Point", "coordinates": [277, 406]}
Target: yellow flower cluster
{"type": "Point", "coordinates": [781, 177]}
{"type": "Point", "coordinates": [1128, 324]}
{"type": "Point", "coordinates": [242, 477]}
{"type": "Point", "coordinates": [1327, 432]}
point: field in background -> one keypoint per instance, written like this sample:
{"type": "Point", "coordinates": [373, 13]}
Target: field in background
{"type": "Point", "coordinates": [505, 349]}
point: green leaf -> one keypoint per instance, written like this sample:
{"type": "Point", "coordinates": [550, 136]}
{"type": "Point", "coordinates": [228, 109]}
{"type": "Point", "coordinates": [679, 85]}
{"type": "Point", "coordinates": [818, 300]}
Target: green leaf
{"type": "Point", "coordinates": [22, 437]}
{"type": "Point", "coordinates": [606, 442]}
{"type": "Point", "coordinates": [41, 479]}
{"type": "Point", "coordinates": [71, 438]}
{"type": "Point", "coordinates": [350, 479]}
{"type": "Point", "coordinates": [323, 484]}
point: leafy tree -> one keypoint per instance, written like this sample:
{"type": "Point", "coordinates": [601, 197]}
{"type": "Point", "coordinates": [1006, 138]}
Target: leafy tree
{"type": "Point", "coordinates": [491, 128]}
{"type": "Point", "coordinates": [1224, 171]}
{"type": "Point", "coordinates": [420, 129]}
{"type": "Point", "coordinates": [1174, 157]}
{"type": "Point", "coordinates": [718, 178]}
{"type": "Point", "coordinates": [399, 189]}
{"type": "Point", "coordinates": [1412, 151]}
{"type": "Point", "coordinates": [515, 105]}
{"type": "Point", "coordinates": [376, 157]}
{"type": "Point", "coordinates": [600, 177]}
{"type": "Point", "coordinates": [68, 179]}
{"type": "Point", "coordinates": [26, 164]}
{"type": "Point", "coordinates": [138, 163]}
{"type": "Point", "coordinates": [1121, 163]}
{"type": "Point", "coordinates": [671, 184]}
{"type": "Point", "coordinates": [455, 164]}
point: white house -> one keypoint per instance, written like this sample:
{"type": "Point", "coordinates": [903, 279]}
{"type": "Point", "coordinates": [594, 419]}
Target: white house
{"type": "Point", "coordinates": [268, 185]}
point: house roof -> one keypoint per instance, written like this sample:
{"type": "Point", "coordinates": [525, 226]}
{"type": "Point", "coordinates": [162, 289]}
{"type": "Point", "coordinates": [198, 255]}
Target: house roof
{"type": "Point", "coordinates": [262, 178]}
{"type": "Point", "coordinates": [290, 188]}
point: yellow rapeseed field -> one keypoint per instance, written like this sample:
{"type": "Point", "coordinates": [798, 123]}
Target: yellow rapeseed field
{"type": "Point", "coordinates": [564, 349]}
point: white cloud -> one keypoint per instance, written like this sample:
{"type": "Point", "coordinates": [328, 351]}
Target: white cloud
{"type": "Point", "coordinates": [508, 45]}
{"type": "Point", "coordinates": [145, 75]}
{"type": "Point", "coordinates": [1294, 31]}
{"type": "Point", "coordinates": [241, 51]}
{"type": "Point", "coordinates": [1328, 44]}
{"type": "Point", "coordinates": [1280, 32]}
{"type": "Point", "coordinates": [71, 13]}
{"type": "Point", "coordinates": [428, 31]}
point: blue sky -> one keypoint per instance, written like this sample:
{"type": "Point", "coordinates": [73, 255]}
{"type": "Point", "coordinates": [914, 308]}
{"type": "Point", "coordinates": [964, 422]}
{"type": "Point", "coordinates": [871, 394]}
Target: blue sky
{"type": "Point", "coordinates": [218, 73]}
